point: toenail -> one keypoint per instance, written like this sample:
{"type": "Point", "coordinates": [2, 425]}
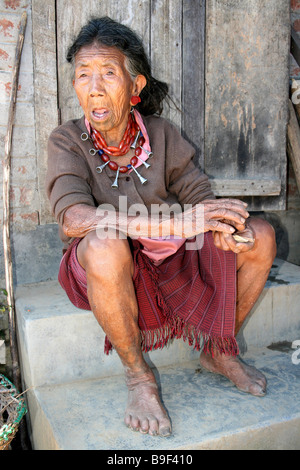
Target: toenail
{"type": "Point", "coordinates": [259, 392]}
{"type": "Point", "coordinates": [165, 432]}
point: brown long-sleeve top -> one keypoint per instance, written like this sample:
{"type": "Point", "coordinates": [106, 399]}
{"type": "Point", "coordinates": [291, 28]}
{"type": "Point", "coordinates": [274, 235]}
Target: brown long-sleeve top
{"type": "Point", "coordinates": [72, 177]}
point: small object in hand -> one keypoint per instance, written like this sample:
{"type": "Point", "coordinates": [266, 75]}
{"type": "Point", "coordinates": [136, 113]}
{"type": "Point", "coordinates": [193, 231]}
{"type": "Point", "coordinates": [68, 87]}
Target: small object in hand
{"type": "Point", "coordinates": [240, 239]}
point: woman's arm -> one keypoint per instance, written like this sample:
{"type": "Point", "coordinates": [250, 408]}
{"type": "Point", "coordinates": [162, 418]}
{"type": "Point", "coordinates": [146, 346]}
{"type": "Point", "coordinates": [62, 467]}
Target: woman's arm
{"type": "Point", "coordinates": [81, 219]}
{"type": "Point", "coordinates": [217, 215]}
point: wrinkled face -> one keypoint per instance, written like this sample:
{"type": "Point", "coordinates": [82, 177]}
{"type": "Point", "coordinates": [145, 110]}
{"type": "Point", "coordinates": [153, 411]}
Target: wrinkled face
{"type": "Point", "coordinates": [104, 89]}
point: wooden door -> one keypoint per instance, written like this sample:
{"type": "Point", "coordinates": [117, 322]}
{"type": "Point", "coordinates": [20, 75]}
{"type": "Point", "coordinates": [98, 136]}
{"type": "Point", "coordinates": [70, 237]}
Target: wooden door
{"type": "Point", "coordinates": [247, 81]}
{"type": "Point", "coordinates": [226, 63]}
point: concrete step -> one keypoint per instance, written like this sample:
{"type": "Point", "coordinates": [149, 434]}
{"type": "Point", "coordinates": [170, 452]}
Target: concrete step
{"type": "Point", "coordinates": [206, 410]}
{"type": "Point", "coordinates": [60, 343]}
{"type": "Point", "coordinates": [276, 315]}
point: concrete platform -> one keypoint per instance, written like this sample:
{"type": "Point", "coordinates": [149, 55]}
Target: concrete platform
{"type": "Point", "coordinates": [276, 315]}
{"type": "Point", "coordinates": [60, 343]}
{"type": "Point", "coordinates": [78, 396]}
{"type": "Point", "coordinates": [207, 411]}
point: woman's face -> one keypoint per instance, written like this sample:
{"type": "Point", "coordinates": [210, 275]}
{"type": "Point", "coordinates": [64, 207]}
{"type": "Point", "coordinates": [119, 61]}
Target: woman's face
{"type": "Point", "coordinates": [104, 89]}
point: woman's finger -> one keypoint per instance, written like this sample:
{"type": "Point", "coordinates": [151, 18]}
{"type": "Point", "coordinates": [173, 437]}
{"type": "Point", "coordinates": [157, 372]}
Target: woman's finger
{"type": "Point", "coordinates": [225, 239]}
{"type": "Point", "coordinates": [216, 225]}
{"type": "Point", "coordinates": [227, 216]}
{"type": "Point", "coordinates": [226, 199]}
{"type": "Point", "coordinates": [225, 203]}
{"type": "Point", "coordinates": [216, 237]}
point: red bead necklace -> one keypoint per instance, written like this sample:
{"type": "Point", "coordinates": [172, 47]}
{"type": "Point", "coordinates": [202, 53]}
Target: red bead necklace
{"type": "Point", "coordinates": [132, 138]}
{"type": "Point", "coordinates": [128, 138]}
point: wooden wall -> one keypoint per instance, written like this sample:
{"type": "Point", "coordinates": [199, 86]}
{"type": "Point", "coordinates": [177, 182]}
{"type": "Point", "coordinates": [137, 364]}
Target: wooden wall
{"type": "Point", "coordinates": [226, 62]}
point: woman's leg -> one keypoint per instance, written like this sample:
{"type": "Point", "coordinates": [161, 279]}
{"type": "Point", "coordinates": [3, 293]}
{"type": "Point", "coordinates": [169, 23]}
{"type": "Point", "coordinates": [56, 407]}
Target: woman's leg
{"type": "Point", "coordinates": [109, 270]}
{"type": "Point", "coordinates": [253, 268]}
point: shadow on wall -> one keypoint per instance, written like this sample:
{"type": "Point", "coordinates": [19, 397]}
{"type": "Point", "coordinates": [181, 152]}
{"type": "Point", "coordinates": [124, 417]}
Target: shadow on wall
{"type": "Point", "coordinates": [36, 255]}
{"type": "Point", "coordinates": [281, 233]}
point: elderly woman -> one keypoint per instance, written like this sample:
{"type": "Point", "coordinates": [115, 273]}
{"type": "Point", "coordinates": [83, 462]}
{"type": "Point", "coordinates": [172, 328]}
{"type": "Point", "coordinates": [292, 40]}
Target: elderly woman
{"type": "Point", "coordinates": [151, 285]}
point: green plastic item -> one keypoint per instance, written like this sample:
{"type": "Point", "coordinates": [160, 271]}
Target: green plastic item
{"type": "Point", "coordinates": [12, 410]}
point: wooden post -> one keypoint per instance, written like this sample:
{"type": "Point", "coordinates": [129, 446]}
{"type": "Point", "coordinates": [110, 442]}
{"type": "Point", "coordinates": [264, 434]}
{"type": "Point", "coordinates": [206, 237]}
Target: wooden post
{"type": "Point", "coordinates": [293, 142]}
{"type": "Point", "coordinates": [6, 206]}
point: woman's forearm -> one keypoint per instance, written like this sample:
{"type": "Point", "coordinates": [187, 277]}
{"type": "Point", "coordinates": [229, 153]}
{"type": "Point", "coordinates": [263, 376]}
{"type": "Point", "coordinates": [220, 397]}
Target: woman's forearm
{"type": "Point", "coordinates": [223, 215]}
{"type": "Point", "coordinates": [81, 219]}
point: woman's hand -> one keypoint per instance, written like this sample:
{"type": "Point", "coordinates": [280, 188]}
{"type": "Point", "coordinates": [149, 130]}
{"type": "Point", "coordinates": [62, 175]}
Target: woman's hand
{"type": "Point", "coordinates": [228, 242]}
{"type": "Point", "coordinates": [224, 216]}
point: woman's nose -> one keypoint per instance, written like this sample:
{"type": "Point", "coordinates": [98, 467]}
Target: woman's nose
{"type": "Point", "coordinates": [97, 86]}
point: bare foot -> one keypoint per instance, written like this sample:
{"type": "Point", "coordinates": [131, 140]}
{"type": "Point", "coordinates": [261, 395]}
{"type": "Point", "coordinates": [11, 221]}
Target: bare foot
{"type": "Point", "coordinates": [145, 412]}
{"type": "Point", "coordinates": [245, 378]}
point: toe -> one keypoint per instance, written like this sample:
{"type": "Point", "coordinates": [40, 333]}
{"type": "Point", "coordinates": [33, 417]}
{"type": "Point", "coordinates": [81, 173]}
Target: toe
{"type": "Point", "coordinates": [262, 383]}
{"type": "Point", "coordinates": [135, 424]}
{"type": "Point", "coordinates": [165, 427]}
{"type": "Point", "coordinates": [153, 427]}
{"type": "Point", "coordinates": [144, 428]}
{"type": "Point", "coordinates": [257, 390]}
{"type": "Point", "coordinates": [127, 420]}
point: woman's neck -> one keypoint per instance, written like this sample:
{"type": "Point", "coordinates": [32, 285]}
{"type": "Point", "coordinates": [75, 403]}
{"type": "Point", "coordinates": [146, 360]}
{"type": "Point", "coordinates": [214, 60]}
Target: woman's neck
{"type": "Point", "coordinates": [113, 138]}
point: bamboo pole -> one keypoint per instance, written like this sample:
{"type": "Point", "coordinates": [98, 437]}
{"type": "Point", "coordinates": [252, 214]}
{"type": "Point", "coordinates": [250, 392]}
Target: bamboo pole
{"type": "Point", "coordinates": [6, 207]}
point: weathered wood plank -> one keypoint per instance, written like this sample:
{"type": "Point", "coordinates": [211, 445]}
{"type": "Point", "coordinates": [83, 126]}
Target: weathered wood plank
{"type": "Point", "coordinates": [193, 75]}
{"type": "Point", "coordinates": [295, 45]}
{"type": "Point", "coordinates": [45, 91]}
{"type": "Point", "coordinates": [246, 187]}
{"type": "Point", "coordinates": [293, 143]}
{"type": "Point", "coordinates": [247, 57]}
{"type": "Point", "coordinates": [166, 55]}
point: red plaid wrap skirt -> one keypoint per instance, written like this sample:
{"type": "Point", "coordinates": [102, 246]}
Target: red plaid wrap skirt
{"type": "Point", "coordinates": [190, 295]}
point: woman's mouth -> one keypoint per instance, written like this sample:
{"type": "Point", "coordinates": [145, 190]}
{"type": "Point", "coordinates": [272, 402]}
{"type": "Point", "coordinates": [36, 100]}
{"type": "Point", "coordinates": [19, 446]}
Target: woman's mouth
{"type": "Point", "coordinates": [99, 114]}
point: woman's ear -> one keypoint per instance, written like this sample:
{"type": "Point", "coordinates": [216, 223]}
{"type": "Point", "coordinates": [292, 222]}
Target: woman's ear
{"type": "Point", "coordinates": [140, 83]}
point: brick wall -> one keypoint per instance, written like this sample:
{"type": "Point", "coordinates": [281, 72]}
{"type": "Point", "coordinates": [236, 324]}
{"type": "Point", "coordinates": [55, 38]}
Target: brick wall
{"type": "Point", "coordinates": [24, 197]}
{"type": "Point", "coordinates": [23, 193]}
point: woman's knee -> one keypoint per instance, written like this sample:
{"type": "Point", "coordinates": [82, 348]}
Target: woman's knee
{"type": "Point", "coordinates": [104, 255]}
{"type": "Point", "coordinates": [265, 241]}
